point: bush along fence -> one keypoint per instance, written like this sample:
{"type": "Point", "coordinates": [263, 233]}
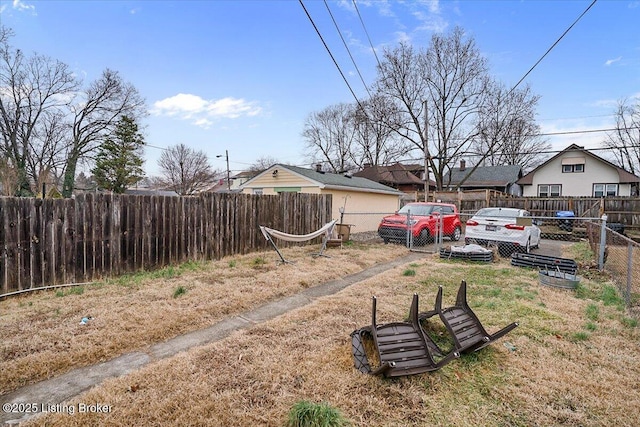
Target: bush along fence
{"type": "Point", "coordinates": [51, 242]}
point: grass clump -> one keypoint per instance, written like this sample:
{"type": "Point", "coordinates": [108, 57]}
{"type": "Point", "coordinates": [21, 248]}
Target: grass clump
{"type": "Point", "coordinates": [593, 313]}
{"type": "Point", "coordinates": [180, 290]}
{"type": "Point", "coordinates": [581, 252]}
{"type": "Point", "coordinates": [579, 336]}
{"type": "Point", "coordinates": [259, 261]}
{"type": "Point", "coordinates": [629, 322]}
{"type": "Point", "coordinates": [310, 414]}
{"type": "Point", "coordinates": [76, 290]}
{"type": "Point", "coordinates": [409, 272]}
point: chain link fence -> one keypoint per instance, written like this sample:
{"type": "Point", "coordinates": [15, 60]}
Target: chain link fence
{"type": "Point", "coordinates": [596, 243]}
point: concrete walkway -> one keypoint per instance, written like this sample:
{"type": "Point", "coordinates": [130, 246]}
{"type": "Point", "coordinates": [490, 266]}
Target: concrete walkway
{"type": "Point", "coordinates": [65, 387]}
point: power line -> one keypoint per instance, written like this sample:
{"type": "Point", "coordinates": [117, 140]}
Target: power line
{"type": "Point", "coordinates": [578, 118]}
{"type": "Point", "coordinates": [552, 46]}
{"type": "Point", "coordinates": [330, 54]}
{"type": "Point", "coordinates": [346, 46]}
{"type": "Point", "coordinates": [366, 32]}
{"type": "Point", "coordinates": [572, 132]}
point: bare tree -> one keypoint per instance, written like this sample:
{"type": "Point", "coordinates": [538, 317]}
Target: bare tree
{"type": "Point", "coordinates": [96, 114]}
{"type": "Point", "coordinates": [449, 79]}
{"type": "Point", "coordinates": [262, 163]}
{"type": "Point", "coordinates": [376, 142]}
{"type": "Point", "coordinates": [329, 136]}
{"type": "Point", "coordinates": [508, 133]}
{"type": "Point", "coordinates": [35, 93]}
{"type": "Point", "coordinates": [624, 142]}
{"type": "Point", "coordinates": [184, 170]}
{"type": "Point", "coordinates": [8, 178]}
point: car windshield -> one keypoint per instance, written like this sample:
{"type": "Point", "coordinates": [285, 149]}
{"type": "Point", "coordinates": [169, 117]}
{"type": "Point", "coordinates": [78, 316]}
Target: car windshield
{"type": "Point", "coordinates": [498, 212]}
{"type": "Point", "coordinates": [421, 210]}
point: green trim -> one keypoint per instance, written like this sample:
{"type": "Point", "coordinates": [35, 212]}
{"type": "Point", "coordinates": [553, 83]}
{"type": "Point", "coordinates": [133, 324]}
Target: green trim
{"type": "Point", "coordinates": [287, 189]}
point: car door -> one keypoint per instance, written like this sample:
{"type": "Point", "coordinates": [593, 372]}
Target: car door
{"type": "Point", "coordinates": [449, 218]}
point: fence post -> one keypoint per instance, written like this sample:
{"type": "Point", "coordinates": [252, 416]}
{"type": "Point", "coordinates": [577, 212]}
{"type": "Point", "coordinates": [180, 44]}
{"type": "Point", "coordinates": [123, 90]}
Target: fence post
{"type": "Point", "coordinates": [603, 241]}
{"type": "Point", "coordinates": [440, 234]}
{"type": "Point", "coordinates": [627, 295]}
{"type": "Point", "coordinates": [409, 231]}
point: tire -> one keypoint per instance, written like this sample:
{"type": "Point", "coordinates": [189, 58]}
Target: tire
{"type": "Point", "coordinates": [457, 233]}
{"type": "Point", "coordinates": [527, 248]}
{"type": "Point", "coordinates": [424, 238]}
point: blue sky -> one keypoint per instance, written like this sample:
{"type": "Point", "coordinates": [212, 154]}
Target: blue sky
{"type": "Point", "coordinates": [243, 76]}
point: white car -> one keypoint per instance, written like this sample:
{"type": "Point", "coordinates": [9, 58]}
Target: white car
{"type": "Point", "coordinates": [510, 228]}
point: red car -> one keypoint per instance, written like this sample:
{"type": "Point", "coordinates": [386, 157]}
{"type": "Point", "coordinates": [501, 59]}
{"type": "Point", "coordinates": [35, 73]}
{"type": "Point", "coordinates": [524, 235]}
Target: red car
{"type": "Point", "coordinates": [423, 221]}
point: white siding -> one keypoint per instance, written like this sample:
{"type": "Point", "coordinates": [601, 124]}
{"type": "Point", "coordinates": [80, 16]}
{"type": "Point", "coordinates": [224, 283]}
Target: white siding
{"type": "Point", "coordinates": [576, 183]}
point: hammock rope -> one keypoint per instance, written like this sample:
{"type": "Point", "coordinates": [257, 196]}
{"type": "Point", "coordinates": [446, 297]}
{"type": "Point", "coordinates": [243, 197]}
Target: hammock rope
{"type": "Point", "coordinates": [327, 230]}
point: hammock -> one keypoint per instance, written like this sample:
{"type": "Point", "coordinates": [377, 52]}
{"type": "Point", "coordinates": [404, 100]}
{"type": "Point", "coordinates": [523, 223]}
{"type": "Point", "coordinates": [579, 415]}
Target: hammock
{"type": "Point", "coordinates": [327, 230]}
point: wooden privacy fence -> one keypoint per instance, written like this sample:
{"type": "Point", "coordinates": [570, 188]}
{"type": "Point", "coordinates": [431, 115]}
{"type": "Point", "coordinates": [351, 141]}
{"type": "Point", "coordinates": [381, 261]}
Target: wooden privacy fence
{"type": "Point", "coordinates": [59, 241]}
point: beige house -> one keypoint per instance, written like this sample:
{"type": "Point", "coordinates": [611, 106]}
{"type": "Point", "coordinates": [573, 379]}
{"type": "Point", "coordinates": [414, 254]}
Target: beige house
{"type": "Point", "coordinates": [577, 172]}
{"type": "Point", "coordinates": [364, 201]}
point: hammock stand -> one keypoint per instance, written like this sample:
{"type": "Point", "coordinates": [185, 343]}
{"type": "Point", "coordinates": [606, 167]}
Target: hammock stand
{"type": "Point", "coordinates": [327, 230]}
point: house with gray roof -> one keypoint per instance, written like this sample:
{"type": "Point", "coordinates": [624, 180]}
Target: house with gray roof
{"type": "Point", "coordinates": [502, 178]}
{"type": "Point", "coordinates": [352, 194]}
{"type": "Point", "coordinates": [404, 177]}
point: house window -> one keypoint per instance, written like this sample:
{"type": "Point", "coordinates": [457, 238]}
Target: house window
{"type": "Point", "coordinates": [287, 189]}
{"type": "Point", "coordinates": [258, 191]}
{"type": "Point", "coordinates": [549, 190]}
{"type": "Point", "coordinates": [605, 190]}
{"type": "Point", "coordinates": [573, 168]}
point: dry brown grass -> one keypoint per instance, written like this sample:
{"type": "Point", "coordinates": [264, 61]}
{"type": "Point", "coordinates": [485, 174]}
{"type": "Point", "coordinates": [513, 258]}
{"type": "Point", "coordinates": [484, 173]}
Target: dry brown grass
{"type": "Point", "coordinates": [41, 336]}
{"type": "Point", "coordinates": [576, 360]}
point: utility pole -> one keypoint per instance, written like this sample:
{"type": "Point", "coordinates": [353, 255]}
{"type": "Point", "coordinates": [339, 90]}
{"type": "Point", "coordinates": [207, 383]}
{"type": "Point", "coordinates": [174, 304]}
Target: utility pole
{"type": "Point", "coordinates": [226, 155]}
{"type": "Point", "coordinates": [426, 152]}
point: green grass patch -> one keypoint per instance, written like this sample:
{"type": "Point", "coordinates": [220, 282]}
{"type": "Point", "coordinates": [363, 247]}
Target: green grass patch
{"type": "Point", "coordinates": [629, 322]}
{"type": "Point", "coordinates": [409, 272]}
{"type": "Point", "coordinates": [609, 296]}
{"type": "Point", "coordinates": [75, 290]}
{"type": "Point", "coordinates": [590, 326]}
{"type": "Point", "coordinates": [593, 312]}
{"type": "Point", "coordinates": [169, 272]}
{"type": "Point", "coordinates": [310, 414]}
{"type": "Point", "coordinates": [581, 252]}
{"type": "Point", "coordinates": [259, 261]}
{"type": "Point", "coordinates": [179, 291]}
{"type": "Point", "coordinates": [579, 336]}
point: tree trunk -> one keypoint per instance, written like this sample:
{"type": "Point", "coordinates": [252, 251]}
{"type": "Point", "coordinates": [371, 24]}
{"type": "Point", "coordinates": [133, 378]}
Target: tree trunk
{"type": "Point", "coordinates": [70, 176]}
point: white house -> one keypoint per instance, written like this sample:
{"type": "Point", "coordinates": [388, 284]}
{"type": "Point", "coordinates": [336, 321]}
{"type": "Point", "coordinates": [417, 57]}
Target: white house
{"type": "Point", "coordinates": [578, 172]}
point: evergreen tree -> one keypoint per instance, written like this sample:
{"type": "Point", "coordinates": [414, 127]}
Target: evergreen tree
{"type": "Point", "coordinates": [119, 159]}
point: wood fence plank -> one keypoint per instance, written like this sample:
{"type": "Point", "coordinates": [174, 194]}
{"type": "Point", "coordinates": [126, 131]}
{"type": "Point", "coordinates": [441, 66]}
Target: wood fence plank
{"type": "Point", "coordinates": [49, 242]}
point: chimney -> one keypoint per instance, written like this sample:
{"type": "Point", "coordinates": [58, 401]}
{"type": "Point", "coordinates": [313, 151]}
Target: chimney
{"type": "Point", "coordinates": [463, 165]}
{"type": "Point", "coordinates": [318, 167]}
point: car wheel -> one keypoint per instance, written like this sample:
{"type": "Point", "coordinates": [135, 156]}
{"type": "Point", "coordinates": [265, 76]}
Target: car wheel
{"type": "Point", "coordinates": [424, 237]}
{"type": "Point", "coordinates": [527, 248]}
{"type": "Point", "coordinates": [457, 233]}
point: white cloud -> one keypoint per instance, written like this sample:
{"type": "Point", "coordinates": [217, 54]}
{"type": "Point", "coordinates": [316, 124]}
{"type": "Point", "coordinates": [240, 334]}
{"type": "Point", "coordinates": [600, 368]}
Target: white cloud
{"type": "Point", "coordinates": [202, 112]}
{"type": "Point", "coordinates": [611, 61]}
{"type": "Point", "coordinates": [19, 5]}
